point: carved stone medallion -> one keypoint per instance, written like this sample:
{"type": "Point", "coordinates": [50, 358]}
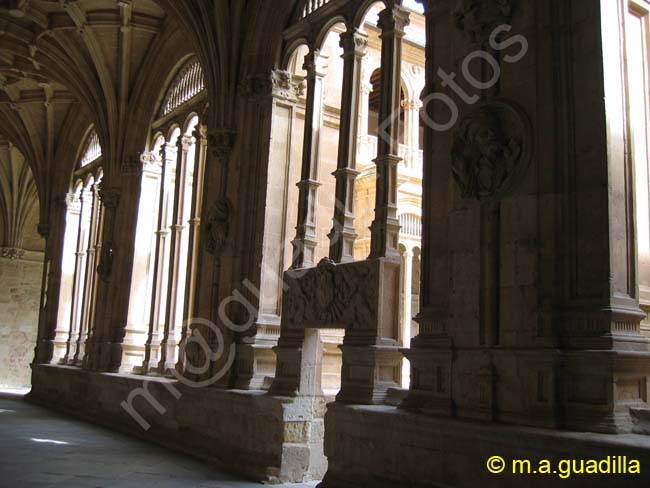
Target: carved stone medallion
{"type": "Point", "coordinates": [491, 150]}
{"type": "Point", "coordinates": [217, 226]}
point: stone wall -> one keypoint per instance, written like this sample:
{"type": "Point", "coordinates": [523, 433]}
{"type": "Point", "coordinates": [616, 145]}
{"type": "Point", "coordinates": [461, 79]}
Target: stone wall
{"type": "Point", "coordinates": [264, 438]}
{"type": "Point", "coordinates": [20, 285]}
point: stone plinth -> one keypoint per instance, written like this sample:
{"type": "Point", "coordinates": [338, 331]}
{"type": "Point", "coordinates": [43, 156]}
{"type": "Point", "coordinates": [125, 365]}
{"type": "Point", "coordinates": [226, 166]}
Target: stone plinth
{"type": "Point", "coordinates": [382, 447]}
{"type": "Point", "coordinates": [248, 432]}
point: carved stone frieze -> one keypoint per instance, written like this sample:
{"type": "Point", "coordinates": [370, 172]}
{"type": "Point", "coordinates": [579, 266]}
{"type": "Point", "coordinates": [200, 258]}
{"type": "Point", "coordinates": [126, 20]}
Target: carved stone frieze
{"type": "Point", "coordinates": [216, 226]}
{"type": "Point", "coordinates": [12, 253]}
{"type": "Point", "coordinates": [491, 150]}
{"type": "Point", "coordinates": [477, 19]}
{"type": "Point", "coordinates": [331, 296]}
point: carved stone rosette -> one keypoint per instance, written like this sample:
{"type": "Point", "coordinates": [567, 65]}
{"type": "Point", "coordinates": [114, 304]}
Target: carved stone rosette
{"type": "Point", "coordinates": [491, 150]}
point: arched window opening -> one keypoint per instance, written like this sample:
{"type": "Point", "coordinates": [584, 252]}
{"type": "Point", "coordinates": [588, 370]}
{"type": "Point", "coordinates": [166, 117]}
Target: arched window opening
{"type": "Point", "coordinates": [167, 233]}
{"type": "Point", "coordinates": [311, 6]}
{"type": "Point", "coordinates": [373, 107]}
{"type": "Point", "coordinates": [92, 150]}
{"type": "Point", "coordinates": [338, 134]}
{"type": "Point", "coordinates": [189, 82]}
{"type": "Point", "coordinates": [81, 251]}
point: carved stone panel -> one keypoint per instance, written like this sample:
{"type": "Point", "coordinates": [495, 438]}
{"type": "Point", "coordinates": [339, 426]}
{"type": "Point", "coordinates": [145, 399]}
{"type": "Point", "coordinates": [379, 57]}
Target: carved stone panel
{"type": "Point", "coordinates": [332, 296]}
{"type": "Point", "coordinates": [491, 150]}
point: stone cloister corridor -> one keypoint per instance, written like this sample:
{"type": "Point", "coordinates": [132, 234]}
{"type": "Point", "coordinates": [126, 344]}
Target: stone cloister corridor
{"type": "Point", "coordinates": [333, 243]}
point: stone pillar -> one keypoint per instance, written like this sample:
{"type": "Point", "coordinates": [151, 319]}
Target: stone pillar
{"type": "Point", "coordinates": [407, 316]}
{"type": "Point", "coordinates": [412, 109]}
{"type": "Point", "coordinates": [343, 235]}
{"type": "Point", "coordinates": [201, 136]}
{"type": "Point", "coordinates": [79, 282]}
{"type": "Point", "coordinates": [168, 343]}
{"type": "Point", "coordinates": [306, 239]}
{"type": "Point", "coordinates": [68, 262]}
{"type": "Point", "coordinates": [94, 236]}
{"type": "Point", "coordinates": [280, 93]}
{"type": "Point", "coordinates": [430, 353]}
{"type": "Point", "coordinates": [385, 228]}
{"type": "Point", "coordinates": [152, 346]}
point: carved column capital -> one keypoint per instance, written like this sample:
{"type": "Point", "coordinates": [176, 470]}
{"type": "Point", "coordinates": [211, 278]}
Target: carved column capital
{"type": "Point", "coordinates": [110, 197]}
{"type": "Point", "coordinates": [316, 63]}
{"type": "Point", "coordinates": [185, 143]}
{"type": "Point", "coordinates": [393, 21]}
{"type": "Point", "coordinates": [287, 86]}
{"type": "Point", "coordinates": [72, 202]}
{"type": "Point", "coordinates": [354, 42]}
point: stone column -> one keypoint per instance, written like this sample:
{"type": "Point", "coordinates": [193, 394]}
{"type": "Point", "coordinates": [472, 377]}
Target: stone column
{"type": "Point", "coordinates": [385, 228]}
{"type": "Point", "coordinates": [306, 239]}
{"type": "Point", "coordinates": [278, 93]}
{"type": "Point", "coordinates": [153, 339]}
{"type": "Point", "coordinates": [407, 314]}
{"type": "Point", "coordinates": [343, 235]}
{"type": "Point", "coordinates": [201, 136]}
{"type": "Point", "coordinates": [78, 287]}
{"type": "Point", "coordinates": [90, 272]}
{"type": "Point", "coordinates": [66, 298]}
{"type": "Point", "coordinates": [168, 343]}
{"type": "Point", "coordinates": [430, 353]}
{"type": "Point", "coordinates": [412, 109]}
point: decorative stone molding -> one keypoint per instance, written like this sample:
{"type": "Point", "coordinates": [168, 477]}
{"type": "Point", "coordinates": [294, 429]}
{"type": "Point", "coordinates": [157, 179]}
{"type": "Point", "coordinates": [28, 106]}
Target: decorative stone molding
{"type": "Point", "coordinates": [491, 150]}
{"type": "Point", "coordinates": [12, 253]}
{"type": "Point", "coordinates": [478, 19]}
{"type": "Point", "coordinates": [216, 226]}
{"type": "Point", "coordinates": [412, 104]}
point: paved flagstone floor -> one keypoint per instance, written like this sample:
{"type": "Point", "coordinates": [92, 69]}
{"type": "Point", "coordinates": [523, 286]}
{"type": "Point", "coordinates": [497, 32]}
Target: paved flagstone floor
{"type": "Point", "coordinates": [39, 449]}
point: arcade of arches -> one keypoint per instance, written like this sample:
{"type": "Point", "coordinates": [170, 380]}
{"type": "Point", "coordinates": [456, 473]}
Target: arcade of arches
{"type": "Point", "coordinates": [246, 231]}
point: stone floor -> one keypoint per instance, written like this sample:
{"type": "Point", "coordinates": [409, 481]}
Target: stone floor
{"type": "Point", "coordinates": [40, 449]}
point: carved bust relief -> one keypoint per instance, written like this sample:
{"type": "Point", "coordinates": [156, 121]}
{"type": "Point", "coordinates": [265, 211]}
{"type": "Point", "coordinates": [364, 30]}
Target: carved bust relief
{"type": "Point", "coordinates": [478, 18]}
{"type": "Point", "coordinates": [217, 227]}
{"type": "Point", "coordinates": [490, 150]}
